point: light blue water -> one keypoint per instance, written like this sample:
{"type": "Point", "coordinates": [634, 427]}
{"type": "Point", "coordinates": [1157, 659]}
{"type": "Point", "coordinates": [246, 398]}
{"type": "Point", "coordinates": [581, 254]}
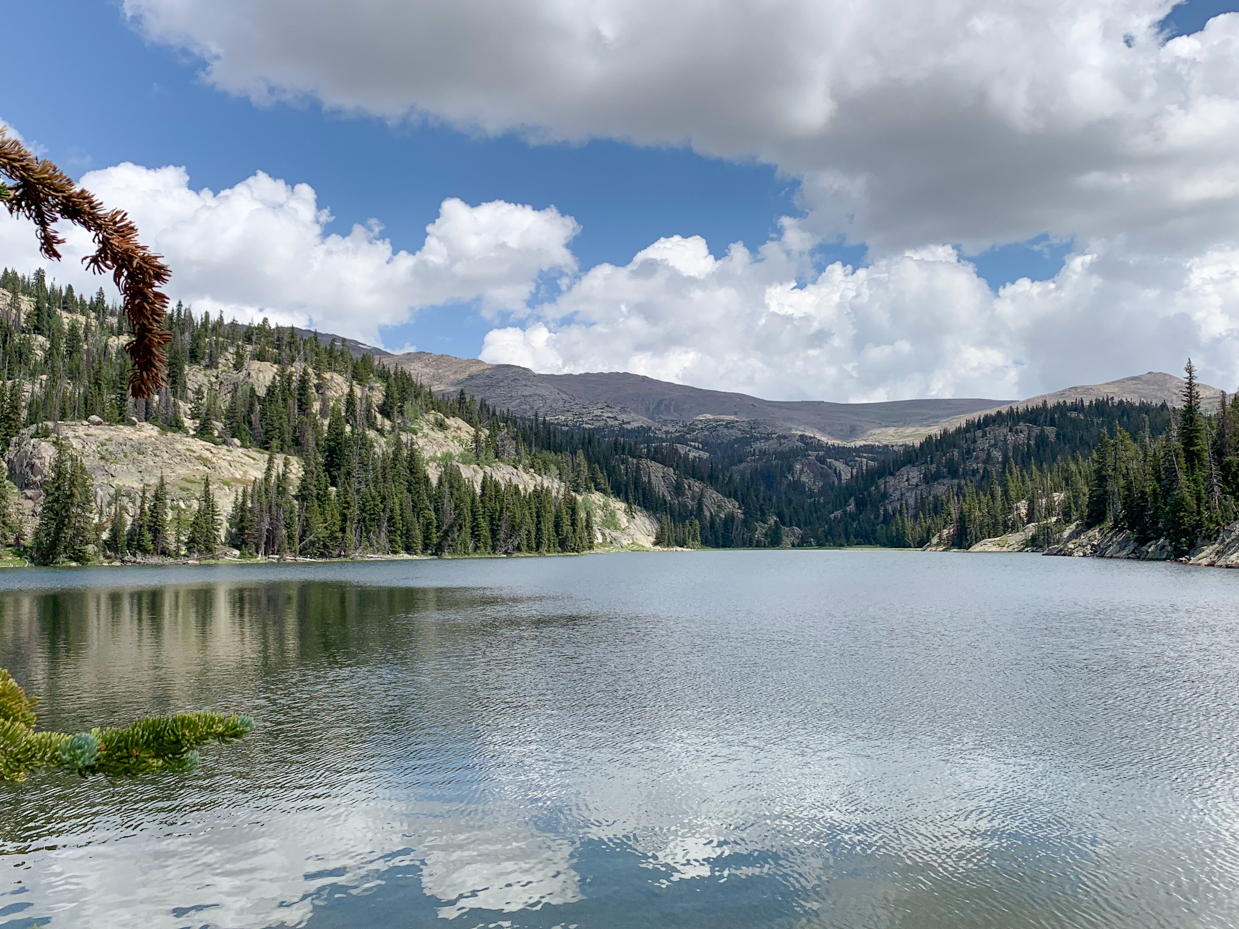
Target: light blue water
{"type": "Point", "coordinates": [730, 739]}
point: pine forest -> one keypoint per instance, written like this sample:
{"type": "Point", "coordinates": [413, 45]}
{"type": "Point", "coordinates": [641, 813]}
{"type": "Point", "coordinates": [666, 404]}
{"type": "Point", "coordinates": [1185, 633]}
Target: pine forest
{"type": "Point", "coordinates": [345, 475]}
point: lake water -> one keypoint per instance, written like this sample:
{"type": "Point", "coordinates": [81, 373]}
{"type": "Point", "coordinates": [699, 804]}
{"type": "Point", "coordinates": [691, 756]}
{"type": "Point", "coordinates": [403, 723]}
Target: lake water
{"type": "Point", "coordinates": [723, 739]}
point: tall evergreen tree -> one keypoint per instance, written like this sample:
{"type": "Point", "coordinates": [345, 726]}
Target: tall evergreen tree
{"type": "Point", "coordinates": [204, 530]}
{"type": "Point", "coordinates": [66, 529]}
{"type": "Point", "coordinates": [116, 543]}
{"type": "Point", "coordinates": [157, 521]}
{"type": "Point", "coordinates": [139, 539]}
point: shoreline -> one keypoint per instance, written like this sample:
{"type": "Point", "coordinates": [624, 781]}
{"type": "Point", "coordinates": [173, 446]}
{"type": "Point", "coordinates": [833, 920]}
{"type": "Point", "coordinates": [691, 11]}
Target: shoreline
{"type": "Point", "coordinates": [1118, 545]}
{"type": "Point", "coordinates": [1114, 544]}
{"type": "Point", "coordinates": [17, 562]}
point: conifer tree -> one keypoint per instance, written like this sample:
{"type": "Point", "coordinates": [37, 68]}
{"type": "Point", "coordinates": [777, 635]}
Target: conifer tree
{"type": "Point", "coordinates": [774, 534]}
{"type": "Point", "coordinates": [139, 540]}
{"type": "Point", "coordinates": [157, 521]}
{"type": "Point", "coordinates": [116, 542]}
{"type": "Point", "coordinates": [238, 527]}
{"type": "Point", "coordinates": [204, 530]}
{"type": "Point", "coordinates": [692, 534]}
{"type": "Point", "coordinates": [665, 536]}
{"type": "Point", "coordinates": [65, 530]}
{"type": "Point", "coordinates": [1192, 426]}
{"type": "Point", "coordinates": [9, 523]}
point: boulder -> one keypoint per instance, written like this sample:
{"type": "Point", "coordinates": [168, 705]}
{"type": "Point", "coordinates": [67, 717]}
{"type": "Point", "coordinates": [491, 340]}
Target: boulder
{"type": "Point", "coordinates": [30, 462]}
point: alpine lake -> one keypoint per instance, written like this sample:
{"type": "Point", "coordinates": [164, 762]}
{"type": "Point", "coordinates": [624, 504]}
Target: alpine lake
{"type": "Point", "coordinates": [860, 739]}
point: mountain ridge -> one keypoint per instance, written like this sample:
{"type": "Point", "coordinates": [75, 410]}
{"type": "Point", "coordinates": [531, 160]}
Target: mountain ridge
{"type": "Point", "coordinates": [634, 401]}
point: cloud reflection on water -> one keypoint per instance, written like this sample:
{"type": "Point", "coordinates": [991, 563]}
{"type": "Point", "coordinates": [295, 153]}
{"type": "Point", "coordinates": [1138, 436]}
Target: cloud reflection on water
{"type": "Point", "coordinates": [444, 753]}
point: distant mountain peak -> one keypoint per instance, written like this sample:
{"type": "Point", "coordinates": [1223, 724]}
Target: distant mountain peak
{"type": "Point", "coordinates": [1152, 387]}
{"type": "Point", "coordinates": [622, 400]}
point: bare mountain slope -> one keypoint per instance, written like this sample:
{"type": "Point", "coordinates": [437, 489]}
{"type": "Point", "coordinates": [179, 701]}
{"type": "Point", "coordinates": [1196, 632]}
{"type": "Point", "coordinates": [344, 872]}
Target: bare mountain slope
{"type": "Point", "coordinates": [1154, 387]}
{"type": "Point", "coordinates": [617, 399]}
{"type": "Point", "coordinates": [631, 400]}
{"type": "Point", "coordinates": [839, 422]}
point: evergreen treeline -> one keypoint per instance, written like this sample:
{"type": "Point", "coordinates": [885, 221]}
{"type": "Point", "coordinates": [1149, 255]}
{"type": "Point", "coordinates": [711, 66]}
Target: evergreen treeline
{"type": "Point", "coordinates": [971, 479]}
{"type": "Point", "coordinates": [364, 488]}
{"type": "Point", "coordinates": [1156, 472]}
{"type": "Point", "coordinates": [767, 483]}
{"type": "Point", "coordinates": [383, 501]}
{"type": "Point", "coordinates": [1183, 487]}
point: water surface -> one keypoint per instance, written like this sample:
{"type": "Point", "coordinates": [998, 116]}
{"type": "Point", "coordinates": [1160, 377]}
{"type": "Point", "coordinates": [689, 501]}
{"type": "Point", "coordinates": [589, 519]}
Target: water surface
{"type": "Point", "coordinates": [725, 739]}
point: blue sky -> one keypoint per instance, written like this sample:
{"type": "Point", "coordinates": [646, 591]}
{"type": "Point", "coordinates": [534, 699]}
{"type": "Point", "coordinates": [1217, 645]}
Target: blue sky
{"type": "Point", "coordinates": [624, 196]}
{"type": "Point", "coordinates": [101, 93]}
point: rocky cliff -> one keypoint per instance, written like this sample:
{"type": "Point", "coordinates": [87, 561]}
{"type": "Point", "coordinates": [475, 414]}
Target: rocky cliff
{"type": "Point", "coordinates": [1075, 541]}
{"type": "Point", "coordinates": [124, 459]}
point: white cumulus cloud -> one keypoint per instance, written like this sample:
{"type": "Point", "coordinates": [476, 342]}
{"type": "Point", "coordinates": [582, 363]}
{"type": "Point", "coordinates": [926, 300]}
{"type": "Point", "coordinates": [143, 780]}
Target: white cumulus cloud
{"type": "Point", "coordinates": [968, 121]}
{"type": "Point", "coordinates": [261, 248]}
{"type": "Point", "coordinates": [10, 131]}
{"type": "Point", "coordinates": [920, 323]}
{"type": "Point", "coordinates": [908, 125]}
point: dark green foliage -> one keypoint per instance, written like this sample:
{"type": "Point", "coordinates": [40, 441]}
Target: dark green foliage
{"type": "Point", "coordinates": [116, 543]}
{"type": "Point", "coordinates": [138, 541]}
{"type": "Point", "coordinates": [774, 534]}
{"type": "Point", "coordinates": [157, 521]}
{"type": "Point", "coordinates": [9, 525]}
{"type": "Point", "coordinates": [15, 706]}
{"type": "Point", "coordinates": [1148, 470]}
{"type": "Point", "coordinates": [992, 475]}
{"type": "Point", "coordinates": [158, 743]}
{"type": "Point", "coordinates": [155, 744]}
{"type": "Point", "coordinates": [66, 526]}
{"type": "Point", "coordinates": [1173, 487]}
{"type": "Point", "coordinates": [665, 536]}
{"type": "Point", "coordinates": [204, 530]}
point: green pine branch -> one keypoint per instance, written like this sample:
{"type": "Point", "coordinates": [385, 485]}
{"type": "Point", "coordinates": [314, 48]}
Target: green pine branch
{"type": "Point", "coordinates": [157, 743]}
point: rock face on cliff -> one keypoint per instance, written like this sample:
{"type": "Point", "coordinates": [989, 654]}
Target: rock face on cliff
{"type": "Point", "coordinates": [1109, 543]}
{"type": "Point", "coordinates": [1223, 552]}
{"type": "Point", "coordinates": [13, 307]}
{"type": "Point", "coordinates": [1020, 541]}
{"type": "Point", "coordinates": [1078, 542]}
{"type": "Point", "coordinates": [127, 458]}
{"type": "Point", "coordinates": [685, 491]}
{"type": "Point", "coordinates": [122, 459]}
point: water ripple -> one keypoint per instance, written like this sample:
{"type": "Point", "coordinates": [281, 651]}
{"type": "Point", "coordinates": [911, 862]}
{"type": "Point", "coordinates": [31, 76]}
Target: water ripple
{"type": "Point", "coordinates": [781, 739]}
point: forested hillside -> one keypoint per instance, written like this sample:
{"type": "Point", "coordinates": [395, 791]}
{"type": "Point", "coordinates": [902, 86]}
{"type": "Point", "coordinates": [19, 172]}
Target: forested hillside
{"type": "Point", "coordinates": [321, 452]}
{"type": "Point", "coordinates": [361, 460]}
{"type": "Point", "coordinates": [1159, 474]}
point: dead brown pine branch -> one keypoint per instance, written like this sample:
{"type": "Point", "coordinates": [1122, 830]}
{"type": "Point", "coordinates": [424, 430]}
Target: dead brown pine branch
{"type": "Point", "coordinates": [41, 192]}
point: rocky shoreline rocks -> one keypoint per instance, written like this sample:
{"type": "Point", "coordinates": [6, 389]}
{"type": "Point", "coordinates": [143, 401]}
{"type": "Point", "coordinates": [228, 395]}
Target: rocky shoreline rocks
{"type": "Point", "coordinates": [1078, 542]}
